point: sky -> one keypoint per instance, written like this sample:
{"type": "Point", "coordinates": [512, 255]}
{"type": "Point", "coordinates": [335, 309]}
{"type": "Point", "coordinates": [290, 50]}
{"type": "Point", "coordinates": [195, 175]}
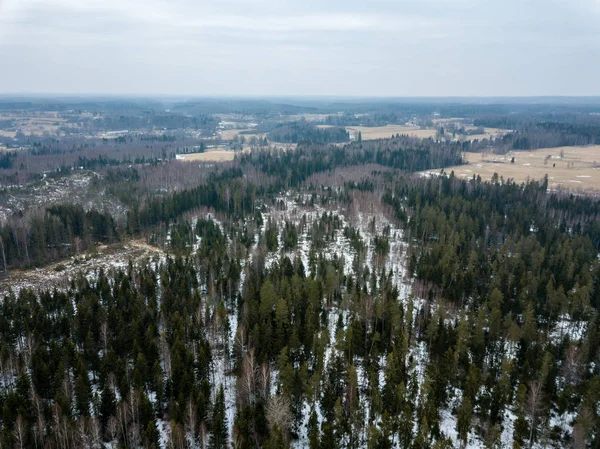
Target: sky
{"type": "Point", "coordinates": [309, 47]}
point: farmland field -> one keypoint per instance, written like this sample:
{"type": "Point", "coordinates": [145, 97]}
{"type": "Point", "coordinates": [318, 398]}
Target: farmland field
{"type": "Point", "coordinates": [385, 132]}
{"type": "Point", "coordinates": [38, 124]}
{"type": "Point", "coordinates": [488, 133]}
{"type": "Point", "coordinates": [577, 169]}
{"type": "Point", "coordinates": [230, 134]}
{"type": "Point", "coordinates": [209, 156]}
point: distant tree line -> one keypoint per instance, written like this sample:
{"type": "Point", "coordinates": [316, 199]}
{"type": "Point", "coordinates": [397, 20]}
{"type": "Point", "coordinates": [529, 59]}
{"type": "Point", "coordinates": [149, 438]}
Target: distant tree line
{"type": "Point", "coordinates": [400, 152]}
{"type": "Point", "coordinates": [7, 159]}
{"type": "Point", "coordinates": [530, 132]}
{"type": "Point", "coordinates": [303, 131]}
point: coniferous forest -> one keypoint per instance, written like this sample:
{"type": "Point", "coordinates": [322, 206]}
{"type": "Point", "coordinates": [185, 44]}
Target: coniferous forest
{"type": "Point", "coordinates": [325, 296]}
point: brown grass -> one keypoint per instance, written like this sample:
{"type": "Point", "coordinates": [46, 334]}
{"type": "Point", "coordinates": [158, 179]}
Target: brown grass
{"type": "Point", "coordinates": [578, 169]}
{"type": "Point", "coordinates": [385, 132]}
{"type": "Point", "coordinates": [37, 123]}
{"type": "Point", "coordinates": [488, 133]}
{"type": "Point", "coordinates": [229, 134]}
{"type": "Point", "coordinates": [209, 156]}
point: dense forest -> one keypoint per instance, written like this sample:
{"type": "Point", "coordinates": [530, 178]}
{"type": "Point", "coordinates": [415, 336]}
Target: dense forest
{"type": "Point", "coordinates": [480, 335]}
{"type": "Point", "coordinates": [548, 135]}
{"type": "Point", "coordinates": [399, 152]}
{"type": "Point", "coordinates": [498, 335]}
{"type": "Point", "coordinates": [325, 296]}
{"type": "Point", "coordinates": [546, 131]}
{"type": "Point", "coordinates": [53, 233]}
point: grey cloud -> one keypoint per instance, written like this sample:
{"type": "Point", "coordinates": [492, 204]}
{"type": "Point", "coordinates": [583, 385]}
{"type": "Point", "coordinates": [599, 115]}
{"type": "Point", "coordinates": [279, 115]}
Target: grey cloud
{"type": "Point", "coordinates": [334, 47]}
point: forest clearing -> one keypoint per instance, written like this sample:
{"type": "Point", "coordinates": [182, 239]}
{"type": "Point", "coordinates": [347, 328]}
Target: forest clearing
{"type": "Point", "coordinates": [60, 274]}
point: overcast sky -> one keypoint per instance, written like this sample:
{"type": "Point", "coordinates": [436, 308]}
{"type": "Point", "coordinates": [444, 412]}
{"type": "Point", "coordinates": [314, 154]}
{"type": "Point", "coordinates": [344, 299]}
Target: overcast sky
{"type": "Point", "coordinates": [308, 47]}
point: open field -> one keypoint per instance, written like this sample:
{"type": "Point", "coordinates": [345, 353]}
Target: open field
{"type": "Point", "coordinates": [385, 132]}
{"type": "Point", "coordinates": [230, 134]}
{"type": "Point", "coordinates": [442, 121]}
{"type": "Point", "coordinates": [489, 133]}
{"type": "Point", "coordinates": [36, 124]}
{"type": "Point", "coordinates": [208, 156]}
{"type": "Point", "coordinates": [577, 169]}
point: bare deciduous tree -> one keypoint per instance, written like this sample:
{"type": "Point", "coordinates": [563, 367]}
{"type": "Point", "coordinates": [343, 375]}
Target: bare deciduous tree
{"type": "Point", "coordinates": [247, 380]}
{"type": "Point", "coordinates": [241, 341]}
{"type": "Point", "coordinates": [165, 355]}
{"type": "Point", "coordinates": [39, 427]}
{"type": "Point", "coordinates": [62, 434]}
{"type": "Point", "coordinates": [20, 432]}
{"type": "Point", "coordinates": [535, 406]}
{"type": "Point", "coordinates": [279, 414]}
{"type": "Point", "coordinates": [104, 335]}
{"type": "Point", "coordinates": [95, 433]}
{"type": "Point", "coordinates": [202, 434]}
{"type": "Point", "coordinates": [579, 439]}
{"type": "Point", "coordinates": [123, 421]}
{"type": "Point", "coordinates": [177, 437]}
{"type": "Point", "coordinates": [264, 380]}
{"type": "Point", "coordinates": [82, 436]}
{"type": "Point", "coordinates": [112, 428]}
{"type": "Point", "coordinates": [571, 368]}
{"type": "Point", "coordinates": [190, 422]}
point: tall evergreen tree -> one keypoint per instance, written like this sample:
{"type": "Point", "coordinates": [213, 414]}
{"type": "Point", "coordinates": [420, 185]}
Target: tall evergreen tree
{"type": "Point", "coordinates": [218, 436]}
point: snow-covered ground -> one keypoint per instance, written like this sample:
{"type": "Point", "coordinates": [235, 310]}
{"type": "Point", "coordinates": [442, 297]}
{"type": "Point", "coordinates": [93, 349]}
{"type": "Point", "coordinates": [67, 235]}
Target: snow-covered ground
{"type": "Point", "coordinates": [296, 212]}
{"type": "Point", "coordinates": [75, 188]}
{"type": "Point", "coordinates": [59, 275]}
{"type": "Point", "coordinates": [370, 222]}
{"type": "Point", "coordinates": [566, 326]}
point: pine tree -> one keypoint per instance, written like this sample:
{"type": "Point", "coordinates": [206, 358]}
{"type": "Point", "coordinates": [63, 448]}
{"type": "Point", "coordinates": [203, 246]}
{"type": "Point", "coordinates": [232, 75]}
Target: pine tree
{"type": "Point", "coordinates": [151, 436]}
{"type": "Point", "coordinates": [463, 425]}
{"type": "Point", "coordinates": [83, 393]}
{"type": "Point", "coordinates": [313, 430]}
{"type": "Point", "coordinates": [218, 437]}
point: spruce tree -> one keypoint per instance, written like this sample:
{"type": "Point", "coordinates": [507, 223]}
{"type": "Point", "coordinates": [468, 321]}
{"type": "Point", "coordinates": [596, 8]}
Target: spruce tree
{"type": "Point", "coordinates": [218, 437]}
